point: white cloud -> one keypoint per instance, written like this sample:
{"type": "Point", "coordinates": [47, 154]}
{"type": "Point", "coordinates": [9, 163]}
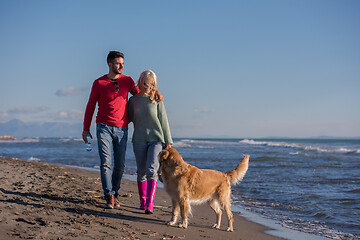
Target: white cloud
{"type": "Point", "coordinates": [203, 110]}
{"type": "Point", "coordinates": [69, 91]}
{"type": "Point", "coordinates": [26, 110]}
{"type": "Point", "coordinates": [63, 114]}
{"type": "Point", "coordinates": [4, 116]}
{"type": "Point", "coordinates": [72, 114]}
{"type": "Point", "coordinates": [22, 112]}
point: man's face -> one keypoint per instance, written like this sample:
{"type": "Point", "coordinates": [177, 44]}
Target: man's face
{"type": "Point", "coordinates": [117, 65]}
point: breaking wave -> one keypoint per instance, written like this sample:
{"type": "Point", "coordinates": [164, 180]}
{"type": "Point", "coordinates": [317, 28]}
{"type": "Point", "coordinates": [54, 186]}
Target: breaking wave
{"type": "Point", "coordinates": [344, 150]}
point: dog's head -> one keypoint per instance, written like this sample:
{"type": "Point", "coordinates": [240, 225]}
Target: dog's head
{"type": "Point", "coordinates": [170, 157]}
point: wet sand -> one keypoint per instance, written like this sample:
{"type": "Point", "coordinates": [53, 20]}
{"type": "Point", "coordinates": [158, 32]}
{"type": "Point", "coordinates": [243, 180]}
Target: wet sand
{"type": "Point", "coordinates": [44, 201]}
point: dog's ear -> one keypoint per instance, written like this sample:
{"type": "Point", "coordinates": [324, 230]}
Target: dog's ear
{"type": "Point", "coordinates": [164, 154]}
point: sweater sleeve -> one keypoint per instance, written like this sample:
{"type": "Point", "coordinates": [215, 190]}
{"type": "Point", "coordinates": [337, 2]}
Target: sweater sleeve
{"type": "Point", "coordinates": [164, 123]}
{"type": "Point", "coordinates": [90, 108]}
{"type": "Point", "coordinates": [133, 88]}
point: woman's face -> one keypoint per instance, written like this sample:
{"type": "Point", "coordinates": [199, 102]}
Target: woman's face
{"type": "Point", "coordinates": [146, 86]}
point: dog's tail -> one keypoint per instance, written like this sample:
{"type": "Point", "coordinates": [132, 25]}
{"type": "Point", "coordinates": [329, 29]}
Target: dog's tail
{"type": "Point", "coordinates": [239, 172]}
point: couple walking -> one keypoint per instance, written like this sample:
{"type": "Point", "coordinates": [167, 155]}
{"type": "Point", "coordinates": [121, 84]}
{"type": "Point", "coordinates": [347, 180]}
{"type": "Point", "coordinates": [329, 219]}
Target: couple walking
{"type": "Point", "coordinates": [151, 129]}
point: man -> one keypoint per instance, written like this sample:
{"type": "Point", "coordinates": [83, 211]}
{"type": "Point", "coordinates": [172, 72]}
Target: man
{"type": "Point", "coordinates": [110, 92]}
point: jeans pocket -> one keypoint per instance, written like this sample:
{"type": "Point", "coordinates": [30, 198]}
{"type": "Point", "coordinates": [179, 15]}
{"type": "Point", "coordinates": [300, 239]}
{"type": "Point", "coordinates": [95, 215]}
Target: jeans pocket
{"type": "Point", "coordinates": [100, 125]}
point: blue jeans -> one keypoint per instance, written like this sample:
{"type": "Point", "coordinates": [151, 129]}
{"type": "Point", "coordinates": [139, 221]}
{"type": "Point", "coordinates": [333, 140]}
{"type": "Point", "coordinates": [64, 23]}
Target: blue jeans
{"type": "Point", "coordinates": [112, 145]}
{"type": "Point", "coordinates": [147, 159]}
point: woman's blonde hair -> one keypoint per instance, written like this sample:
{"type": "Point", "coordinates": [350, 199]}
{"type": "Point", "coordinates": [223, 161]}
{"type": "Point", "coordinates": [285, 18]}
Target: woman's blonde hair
{"type": "Point", "coordinates": [148, 74]}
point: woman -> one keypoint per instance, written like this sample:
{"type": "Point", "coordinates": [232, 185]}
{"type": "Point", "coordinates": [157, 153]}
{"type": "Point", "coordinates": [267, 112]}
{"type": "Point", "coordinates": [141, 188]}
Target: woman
{"type": "Point", "coordinates": [151, 134]}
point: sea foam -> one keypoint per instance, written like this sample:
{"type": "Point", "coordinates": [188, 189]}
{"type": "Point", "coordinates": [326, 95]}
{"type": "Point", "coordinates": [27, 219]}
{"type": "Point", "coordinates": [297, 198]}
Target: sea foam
{"type": "Point", "coordinates": [301, 147]}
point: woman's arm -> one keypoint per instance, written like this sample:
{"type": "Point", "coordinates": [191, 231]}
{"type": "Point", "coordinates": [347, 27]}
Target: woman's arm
{"type": "Point", "coordinates": [164, 124]}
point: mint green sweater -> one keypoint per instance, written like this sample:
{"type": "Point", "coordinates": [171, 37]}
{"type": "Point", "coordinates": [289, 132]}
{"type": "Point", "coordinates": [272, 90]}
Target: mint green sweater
{"type": "Point", "coordinates": [150, 120]}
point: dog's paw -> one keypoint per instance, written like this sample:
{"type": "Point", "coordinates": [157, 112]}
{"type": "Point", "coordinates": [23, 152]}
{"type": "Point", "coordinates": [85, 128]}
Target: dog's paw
{"type": "Point", "coordinates": [182, 225]}
{"type": "Point", "coordinates": [216, 226]}
{"type": "Point", "coordinates": [229, 229]}
{"type": "Point", "coordinates": [170, 223]}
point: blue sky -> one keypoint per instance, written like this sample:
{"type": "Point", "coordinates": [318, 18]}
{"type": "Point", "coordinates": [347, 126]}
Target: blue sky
{"type": "Point", "coordinates": [225, 68]}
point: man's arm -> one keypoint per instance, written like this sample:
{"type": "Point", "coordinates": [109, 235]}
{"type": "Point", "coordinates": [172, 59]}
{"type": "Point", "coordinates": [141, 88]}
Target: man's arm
{"type": "Point", "coordinates": [89, 111]}
{"type": "Point", "coordinates": [134, 90]}
{"type": "Point", "coordinates": [158, 96]}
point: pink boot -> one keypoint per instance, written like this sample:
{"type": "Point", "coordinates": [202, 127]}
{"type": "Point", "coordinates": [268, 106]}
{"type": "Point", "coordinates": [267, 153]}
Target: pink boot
{"type": "Point", "coordinates": [142, 187]}
{"type": "Point", "coordinates": [151, 190]}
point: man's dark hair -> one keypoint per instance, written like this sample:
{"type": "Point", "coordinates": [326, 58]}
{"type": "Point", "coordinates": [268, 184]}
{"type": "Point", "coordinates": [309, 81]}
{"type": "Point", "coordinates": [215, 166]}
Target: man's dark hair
{"type": "Point", "coordinates": [114, 54]}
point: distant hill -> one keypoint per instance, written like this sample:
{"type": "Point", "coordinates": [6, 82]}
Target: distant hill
{"type": "Point", "coordinates": [18, 128]}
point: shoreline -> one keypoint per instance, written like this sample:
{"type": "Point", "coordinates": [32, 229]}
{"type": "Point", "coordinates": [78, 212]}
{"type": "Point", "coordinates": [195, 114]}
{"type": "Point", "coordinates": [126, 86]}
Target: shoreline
{"type": "Point", "coordinates": [256, 193]}
{"type": "Point", "coordinates": [45, 201]}
{"type": "Point", "coordinates": [274, 227]}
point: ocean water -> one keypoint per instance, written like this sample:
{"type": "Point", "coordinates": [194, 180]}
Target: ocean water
{"type": "Point", "coordinates": [309, 185]}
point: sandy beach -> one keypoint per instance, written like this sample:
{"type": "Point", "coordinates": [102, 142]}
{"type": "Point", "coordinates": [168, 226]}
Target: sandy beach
{"type": "Point", "coordinates": [44, 201]}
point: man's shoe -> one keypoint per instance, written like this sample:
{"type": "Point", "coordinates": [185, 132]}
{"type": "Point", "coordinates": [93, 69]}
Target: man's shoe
{"type": "Point", "coordinates": [116, 200]}
{"type": "Point", "coordinates": [109, 201]}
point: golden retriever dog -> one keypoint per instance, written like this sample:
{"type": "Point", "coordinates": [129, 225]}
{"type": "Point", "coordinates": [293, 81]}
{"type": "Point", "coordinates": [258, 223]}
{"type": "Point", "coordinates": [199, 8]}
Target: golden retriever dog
{"type": "Point", "coordinates": [187, 184]}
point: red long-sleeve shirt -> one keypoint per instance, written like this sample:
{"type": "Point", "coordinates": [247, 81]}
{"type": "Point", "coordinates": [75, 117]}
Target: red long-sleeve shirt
{"type": "Point", "coordinates": [112, 105]}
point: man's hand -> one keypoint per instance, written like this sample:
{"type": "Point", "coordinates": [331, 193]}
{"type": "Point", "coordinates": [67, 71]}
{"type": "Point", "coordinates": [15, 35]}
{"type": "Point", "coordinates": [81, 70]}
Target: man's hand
{"type": "Point", "coordinates": [158, 96]}
{"type": "Point", "coordinates": [85, 134]}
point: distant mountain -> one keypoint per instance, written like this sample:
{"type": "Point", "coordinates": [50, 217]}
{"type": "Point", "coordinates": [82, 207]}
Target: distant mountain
{"type": "Point", "coordinates": [18, 128]}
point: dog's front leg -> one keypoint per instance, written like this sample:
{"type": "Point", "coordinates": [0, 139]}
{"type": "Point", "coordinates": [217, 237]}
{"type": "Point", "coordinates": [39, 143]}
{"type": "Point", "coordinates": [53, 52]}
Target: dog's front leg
{"type": "Point", "coordinates": [184, 209]}
{"type": "Point", "coordinates": [175, 213]}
